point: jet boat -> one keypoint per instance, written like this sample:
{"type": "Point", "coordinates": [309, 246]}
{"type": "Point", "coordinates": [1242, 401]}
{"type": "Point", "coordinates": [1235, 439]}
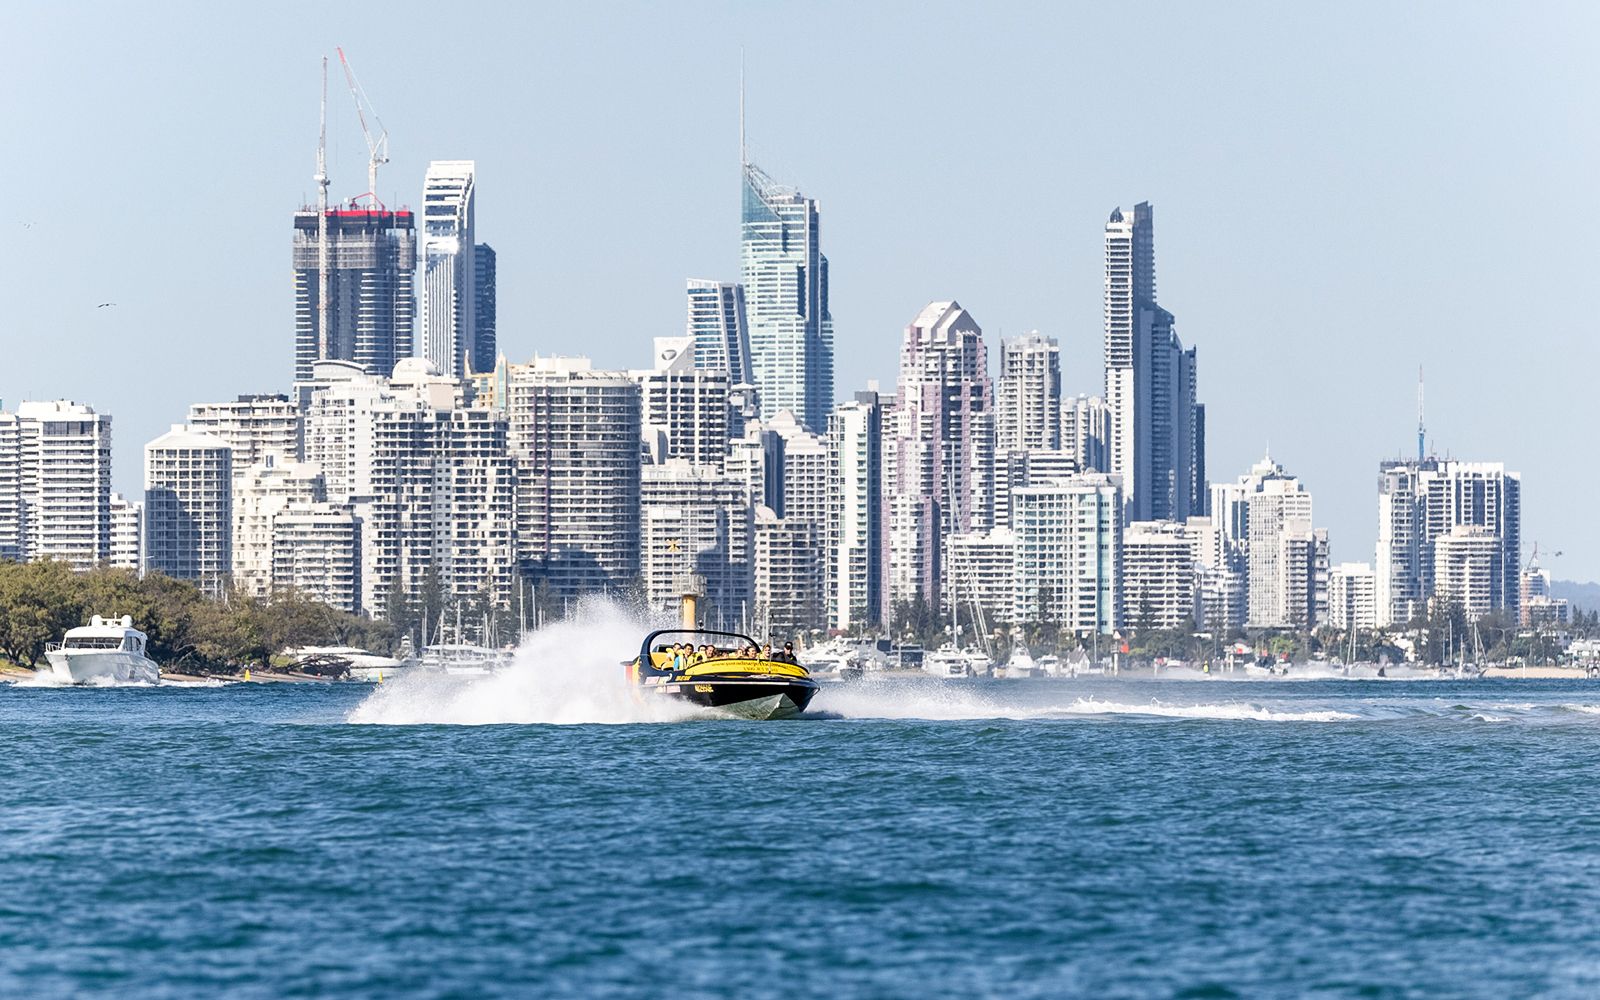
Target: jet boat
{"type": "Point", "coordinates": [752, 688]}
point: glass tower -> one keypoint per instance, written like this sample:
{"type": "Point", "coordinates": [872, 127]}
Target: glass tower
{"type": "Point", "coordinates": [785, 278]}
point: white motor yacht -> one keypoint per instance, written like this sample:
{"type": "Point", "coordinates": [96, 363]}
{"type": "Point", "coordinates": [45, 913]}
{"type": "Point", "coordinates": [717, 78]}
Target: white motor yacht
{"type": "Point", "coordinates": [105, 650]}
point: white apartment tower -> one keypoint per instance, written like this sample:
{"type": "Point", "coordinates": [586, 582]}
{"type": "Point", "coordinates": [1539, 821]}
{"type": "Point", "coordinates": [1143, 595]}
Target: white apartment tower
{"type": "Point", "coordinates": [1068, 567]}
{"type": "Point", "coordinates": [188, 508]}
{"type": "Point", "coordinates": [1282, 556]}
{"type": "Point", "coordinates": [1470, 570]}
{"type": "Point", "coordinates": [259, 428]}
{"type": "Point", "coordinates": [449, 270]}
{"type": "Point", "coordinates": [1158, 576]}
{"type": "Point", "coordinates": [127, 533]}
{"type": "Point", "coordinates": [685, 408]}
{"type": "Point", "coordinates": [1028, 395]}
{"type": "Point", "coordinates": [1156, 440]}
{"type": "Point", "coordinates": [55, 483]}
{"type": "Point", "coordinates": [575, 440]}
{"type": "Point", "coordinates": [982, 570]}
{"type": "Point", "coordinates": [1353, 597]}
{"type": "Point", "coordinates": [788, 577]}
{"type": "Point", "coordinates": [696, 520]}
{"type": "Point", "coordinates": [855, 538]}
{"type": "Point", "coordinates": [261, 493]}
{"type": "Point", "coordinates": [316, 552]}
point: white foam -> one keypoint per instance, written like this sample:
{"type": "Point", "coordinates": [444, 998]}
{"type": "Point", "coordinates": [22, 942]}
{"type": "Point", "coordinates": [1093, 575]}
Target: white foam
{"type": "Point", "coordinates": [917, 699]}
{"type": "Point", "coordinates": [569, 673]}
{"type": "Point", "coordinates": [1584, 709]}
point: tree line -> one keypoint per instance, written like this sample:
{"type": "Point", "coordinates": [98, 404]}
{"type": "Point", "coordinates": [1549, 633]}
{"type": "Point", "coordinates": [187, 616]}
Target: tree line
{"type": "Point", "coordinates": [188, 631]}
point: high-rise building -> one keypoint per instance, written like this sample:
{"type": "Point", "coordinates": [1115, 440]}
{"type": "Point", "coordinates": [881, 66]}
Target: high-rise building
{"type": "Point", "coordinates": [1084, 432]}
{"type": "Point", "coordinates": [1150, 379]}
{"type": "Point", "coordinates": [1028, 395]}
{"type": "Point", "coordinates": [259, 428]}
{"type": "Point", "coordinates": [717, 328]}
{"type": "Point", "coordinates": [260, 493]}
{"type": "Point", "coordinates": [1220, 576]}
{"type": "Point", "coordinates": [1421, 501]}
{"type": "Point", "coordinates": [1158, 576]}
{"type": "Point", "coordinates": [855, 536]}
{"type": "Point", "coordinates": [785, 277]}
{"type": "Point", "coordinates": [188, 505]}
{"type": "Point", "coordinates": [316, 553]}
{"type": "Point", "coordinates": [371, 300]}
{"type": "Point", "coordinates": [430, 479]}
{"type": "Point", "coordinates": [788, 577]}
{"type": "Point", "coordinates": [449, 273]}
{"type": "Point", "coordinates": [696, 521]}
{"type": "Point", "coordinates": [982, 592]}
{"type": "Point", "coordinates": [1469, 570]}
{"type": "Point", "coordinates": [127, 533]}
{"type": "Point", "coordinates": [1281, 555]}
{"type": "Point", "coordinates": [1068, 566]}
{"type": "Point", "coordinates": [55, 483]}
{"type": "Point", "coordinates": [485, 342]}
{"type": "Point", "coordinates": [1014, 469]}
{"type": "Point", "coordinates": [1353, 597]}
{"type": "Point", "coordinates": [575, 439]}
{"type": "Point", "coordinates": [686, 409]}
{"type": "Point", "coordinates": [939, 448]}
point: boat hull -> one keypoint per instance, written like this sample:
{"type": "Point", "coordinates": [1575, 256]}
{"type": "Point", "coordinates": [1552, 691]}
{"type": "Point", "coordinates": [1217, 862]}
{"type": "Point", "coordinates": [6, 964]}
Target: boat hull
{"type": "Point", "coordinates": [101, 666]}
{"type": "Point", "coordinates": [746, 698]}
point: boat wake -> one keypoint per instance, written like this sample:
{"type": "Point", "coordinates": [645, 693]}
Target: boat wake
{"type": "Point", "coordinates": [569, 673]}
{"type": "Point", "coordinates": [914, 698]}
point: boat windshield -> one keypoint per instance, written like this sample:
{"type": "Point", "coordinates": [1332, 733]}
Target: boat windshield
{"type": "Point", "coordinates": [93, 642]}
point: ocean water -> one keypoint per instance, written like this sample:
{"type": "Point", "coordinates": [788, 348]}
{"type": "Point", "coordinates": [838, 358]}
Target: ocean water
{"type": "Point", "coordinates": [539, 835]}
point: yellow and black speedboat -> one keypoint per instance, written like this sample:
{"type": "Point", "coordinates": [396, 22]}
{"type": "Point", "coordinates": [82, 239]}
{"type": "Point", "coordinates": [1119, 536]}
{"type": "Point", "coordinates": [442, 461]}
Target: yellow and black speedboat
{"type": "Point", "coordinates": [739, 685]}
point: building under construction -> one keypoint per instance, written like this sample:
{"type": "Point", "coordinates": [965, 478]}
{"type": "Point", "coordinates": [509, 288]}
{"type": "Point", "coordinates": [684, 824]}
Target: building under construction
{"type": "Point", "coordinates": [372, 254]}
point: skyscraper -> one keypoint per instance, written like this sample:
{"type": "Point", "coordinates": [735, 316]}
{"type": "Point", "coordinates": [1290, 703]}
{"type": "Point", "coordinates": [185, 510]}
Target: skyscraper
{"type": "Point", "coordinates": [485, 345]}
{"type": "Point", "coordinates": [694, 519]}
{"type": "Point", "coordinates": [371, 301]}
{"type": "Point", "coordinates": [939, 447]}
{"type": "Point", "coordinates": [717, 325]}
{"type": "Point", "coordinates": [259, 428]}
{"type": "Point", "coordinates": [449, 273]}
{"type": "Point", "coordinates": [855, 539]}
{"type": "Point", "coordinates": [1150, 379]}
{"type": "Point", "coordinates": [785, 279]}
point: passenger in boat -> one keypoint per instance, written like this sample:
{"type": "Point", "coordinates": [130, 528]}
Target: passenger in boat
{"type": "Point", "coordinates": [766, 651]}
{"type": "Point", "coordinates": [787, 656]}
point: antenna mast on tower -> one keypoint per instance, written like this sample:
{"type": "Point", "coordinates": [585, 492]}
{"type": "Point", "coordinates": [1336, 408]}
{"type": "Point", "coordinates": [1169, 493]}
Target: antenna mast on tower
{"type": "Point", "coordinates": [744, 156]}
{"type": "Point", "coordinates": [1421, 432]}
{"type": "Point", "coordinates": [322, 221]}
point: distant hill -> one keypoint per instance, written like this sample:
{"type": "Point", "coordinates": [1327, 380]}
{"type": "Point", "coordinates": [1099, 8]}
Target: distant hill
{"type": "Point", "coordinates": [1584, 596]}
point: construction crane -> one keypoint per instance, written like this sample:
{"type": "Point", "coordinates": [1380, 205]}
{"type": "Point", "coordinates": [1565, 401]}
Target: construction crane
{"type": "Point", "coordinates": [377, 149]}
{"type": "Point", "coordinates": [323, 293]}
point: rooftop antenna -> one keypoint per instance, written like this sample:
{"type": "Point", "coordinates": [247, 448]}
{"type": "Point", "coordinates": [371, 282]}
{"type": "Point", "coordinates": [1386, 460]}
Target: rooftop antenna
{"type": "Point", "coordinates": [1421, 428]}
{"type": "Point", "coordinates": [744, 154]}
{"type": "Point", "coordinates": [377, 149]}
{"type": "Point", "coordinates": [322, 221]}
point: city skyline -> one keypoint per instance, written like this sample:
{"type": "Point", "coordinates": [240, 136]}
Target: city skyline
{"type": "Point", "coordinates": [1267, 330]}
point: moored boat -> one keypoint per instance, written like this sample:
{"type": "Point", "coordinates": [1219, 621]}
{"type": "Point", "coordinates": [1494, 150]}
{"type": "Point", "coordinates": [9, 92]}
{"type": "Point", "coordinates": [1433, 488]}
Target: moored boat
{"type": "Point", "coordinates": [107, 650]}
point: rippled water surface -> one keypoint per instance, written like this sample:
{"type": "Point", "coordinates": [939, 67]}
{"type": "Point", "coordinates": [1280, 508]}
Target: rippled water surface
{"type": "Point", "coordinates": [536, 835]}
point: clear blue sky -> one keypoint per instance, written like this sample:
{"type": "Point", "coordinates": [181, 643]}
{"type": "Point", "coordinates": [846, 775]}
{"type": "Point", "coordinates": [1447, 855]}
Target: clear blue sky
{"type": "Point", "coordinates": [1342, 191]}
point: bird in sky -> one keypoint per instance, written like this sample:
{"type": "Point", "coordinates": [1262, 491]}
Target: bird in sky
{"type": "Point", "coordinates": [104, 305]}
